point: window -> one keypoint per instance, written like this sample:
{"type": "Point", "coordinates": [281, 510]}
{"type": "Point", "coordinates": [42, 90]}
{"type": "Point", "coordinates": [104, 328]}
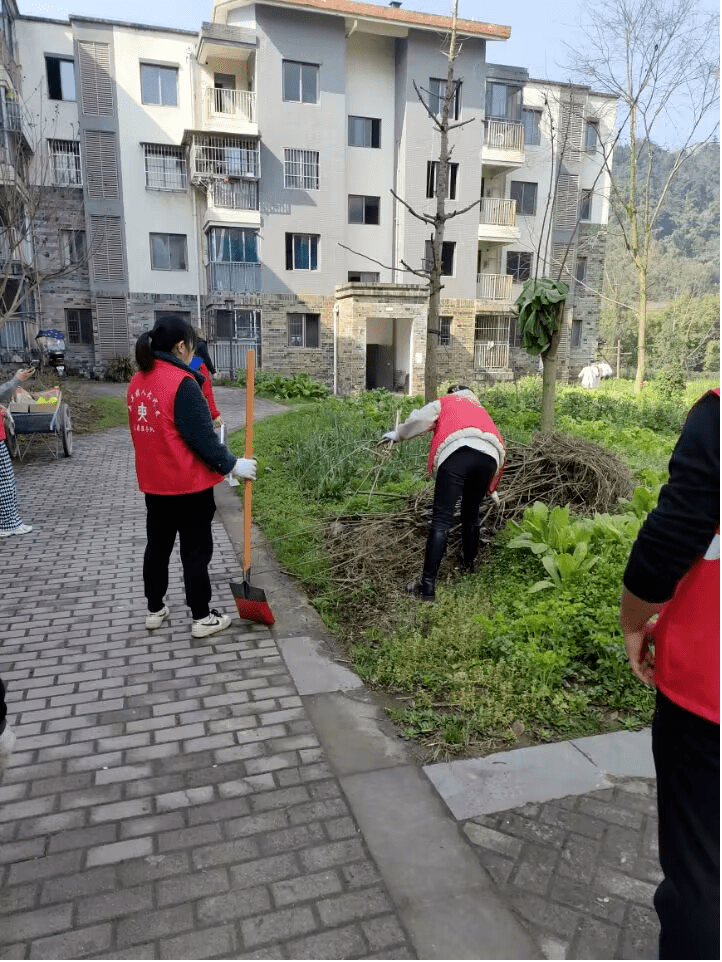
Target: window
{"type": "Point", "coordinates": [165, 167]}
{"type": "Point", "coordinates": [168, 252]}
{"type": "Point", "coordinates": [304, 330]}
{"type": "Point", "coordinates": [591, 136]}
{"type": "Point", "coordinates": [364, 132]}
{"type": "Point", "coordinates": [581, 269]}
{"type": "Point", "coordinates": [159, 85]}
{"type": "Point", "coordinates": [302, 252]}
{"type": "Point", "coordinates": [448, 251]}
{"type": "Point", "coordinates": [585, 205]}
{"type": "Point", "coordinates": [300, 169]}
{"type": "Point", "coordinates": [531, 120]}
{"type": "Point", "coordinates": [79, 325]}
{"type": "Point", "coordinates": [72, 247]}
{"type": "Point", "coordinates": [444, 331]}
{"type": "Point", "coordinates": [432, 175]}
{"type": "Point", "coordinates": [576, 333]}
{"type": "Point", "coordinates": [518, 264]}
{"type": "Point", "coordinates": [300, 82]}
{"type": "Point", "coordinates": [241, 324]}
{"type": "Point", "coordinates": [524, 193]}
{"type": "Point", "coordinates": [363, 210]}
{"type": "Point", "coordinates": [235, 245]}
{"type": "Point", "coordinates": [363, 277]}
{"type": "Point", "coordinates": [437, 91]}
{"type": "Point", "coordinates": [503, 101]}
{"type": "Point", "coordinates": [236, 194]}
{"type": "Point", "coordinates": [65, 157]}
{"type": "Point", "coordinates": [61, 78]}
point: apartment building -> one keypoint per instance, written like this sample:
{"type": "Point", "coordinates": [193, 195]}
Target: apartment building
{"type": "Point", "coordinates": [243, 175]}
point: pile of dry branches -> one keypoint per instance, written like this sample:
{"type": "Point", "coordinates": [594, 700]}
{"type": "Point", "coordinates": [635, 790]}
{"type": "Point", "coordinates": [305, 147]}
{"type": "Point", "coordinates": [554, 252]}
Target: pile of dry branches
{"type": "Point", "coordinates": [387, 550]}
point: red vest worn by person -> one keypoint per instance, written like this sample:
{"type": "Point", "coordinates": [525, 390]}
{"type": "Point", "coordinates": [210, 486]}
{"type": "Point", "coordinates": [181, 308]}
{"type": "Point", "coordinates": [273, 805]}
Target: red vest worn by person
{"type": "Point", "coordinates": [687, 637]}
{"type": "Point", "coordinates": [456, 414]}
{"type": "Point", "coordinates": [163, 461]}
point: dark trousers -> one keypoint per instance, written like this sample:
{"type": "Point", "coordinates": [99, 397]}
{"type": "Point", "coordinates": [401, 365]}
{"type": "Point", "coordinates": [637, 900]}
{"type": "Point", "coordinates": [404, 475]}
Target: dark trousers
{"type": "Point", "coordinates": [189, 516]}
{"type": "Point", "coordinates": [3, 707]}
{"type": "Point", "coordinates": [464, 474]}
{"type": "Point", "coordinates": [686, 758]}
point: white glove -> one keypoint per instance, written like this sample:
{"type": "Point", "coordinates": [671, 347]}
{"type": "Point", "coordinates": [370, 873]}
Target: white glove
{"type": "Point", "coordinates": [245, 468]}
{"type": "Point", "coordinates": [391, 436]}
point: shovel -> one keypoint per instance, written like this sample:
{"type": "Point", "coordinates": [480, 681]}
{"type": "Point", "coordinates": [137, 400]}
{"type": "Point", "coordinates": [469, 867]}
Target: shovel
{"type": "Point", "coordinates": [251, 602]}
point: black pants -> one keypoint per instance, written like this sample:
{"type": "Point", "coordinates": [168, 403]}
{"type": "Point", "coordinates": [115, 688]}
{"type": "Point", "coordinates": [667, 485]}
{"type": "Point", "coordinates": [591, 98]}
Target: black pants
{"type": "Point", "coordinates": [464, 474]}
{"type": "Point", "coordinates": [189, 516]}
{"type": "Point", "coordinates": [686, 758]}
{"type": "Point", "coordinates": [3, 707]}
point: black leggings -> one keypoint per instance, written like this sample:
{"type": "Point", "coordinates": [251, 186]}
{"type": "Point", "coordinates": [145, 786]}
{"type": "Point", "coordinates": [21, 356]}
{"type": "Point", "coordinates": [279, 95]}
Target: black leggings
{"type": "Point", "coordinates": [465, 474]}
{"type": "Point", "coordinates": [189, 516]}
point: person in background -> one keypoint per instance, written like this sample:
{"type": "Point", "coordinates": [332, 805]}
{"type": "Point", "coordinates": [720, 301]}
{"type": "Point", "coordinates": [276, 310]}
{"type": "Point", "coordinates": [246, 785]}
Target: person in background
{"type": "Point", "coordinates": [202, 352]}
{"type": "Point", "coordinates": [10, 520]}
{"type": "Point", "coordinates": [178, 460]}
{"type": "Point", "coordinates": [7, 736]}
{"type": "Point", "coordinates": [198, 364]}
{"type": "Point", "coordinates": [674, 569]}
{"type": "Point", "coordinates": [467, 457]}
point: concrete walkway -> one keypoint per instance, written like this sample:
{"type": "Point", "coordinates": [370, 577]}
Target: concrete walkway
{"type": "Point", "coordinates": [243, 796]}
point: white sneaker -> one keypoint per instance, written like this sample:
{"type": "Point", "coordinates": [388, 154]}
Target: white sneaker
{"type": "Point", "coordinates": [155, 619]}
{"type": "Point", "coordinates": [7, 743]}
{"type": "Point", "coordinates": [20, 529]}
{"type": "Point", "coordinates": [210, 624]}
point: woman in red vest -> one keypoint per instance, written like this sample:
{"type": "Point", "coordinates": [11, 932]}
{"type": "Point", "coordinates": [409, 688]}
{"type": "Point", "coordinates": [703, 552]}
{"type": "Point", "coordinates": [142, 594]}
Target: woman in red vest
{"type": "Point", "coordinates": [178, 460]}
{"type": "Point", "coordinates": [674, 570]}
{"type": "Point", "coordinates": [467, 457]}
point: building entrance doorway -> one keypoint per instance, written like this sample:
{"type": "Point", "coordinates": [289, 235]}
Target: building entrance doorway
{"type": "Point", "coordinates": [388, 354]}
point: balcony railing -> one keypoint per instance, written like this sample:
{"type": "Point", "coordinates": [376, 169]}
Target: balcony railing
{"type": "Point", "coordinates": [499, 211]}
{"type": "Point", "coordinates": [238, 278]}
{"type": "Point", "coordinates": [493, 287]}
{"type": "Point", "coordinates": [225, 157]}
{"type": "Point", "coordinates": [239, 104]}
{"type": "Point", "coordinates": [235, 195]}
{"type": "Point", "coordinates": [14, 332]}
{"type": "Point", "coordinates": [491, 355]}
{"type": "Point", "coordinates": [504, 135]}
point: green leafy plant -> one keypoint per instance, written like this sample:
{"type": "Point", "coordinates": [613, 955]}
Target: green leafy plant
{"type": "Point", "coordinates": [563, 567]}
{"type": "Point", "coordinates": [120, 369]}
{"type": "Point", "coordinates": [539, 306]}
{"type": "Point", "coordinates": [542, 530]}
{"type": "Point", "coordinates": [285, 387]}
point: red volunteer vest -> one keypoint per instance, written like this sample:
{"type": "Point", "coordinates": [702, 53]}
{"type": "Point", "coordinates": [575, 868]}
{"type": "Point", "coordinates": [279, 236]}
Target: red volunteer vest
{"type": "Point", "coordinates": [687, 637]}
{"type": "Point", "coordinates": [2, 426]}
{"type": "Point", "coordinates": [208, 391]}
{"type": "Point", "coordinates": [163, 461]}
{"type": "Point", "coordinates": [458, 413]}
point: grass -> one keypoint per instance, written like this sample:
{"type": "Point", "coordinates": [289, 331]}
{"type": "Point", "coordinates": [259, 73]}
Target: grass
{"type": "Point", "coordinates": [110, 412]}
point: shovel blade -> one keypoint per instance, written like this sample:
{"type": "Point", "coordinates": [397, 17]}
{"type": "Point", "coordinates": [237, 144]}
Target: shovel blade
{"type": "Point", "coordinates": [251, 603]}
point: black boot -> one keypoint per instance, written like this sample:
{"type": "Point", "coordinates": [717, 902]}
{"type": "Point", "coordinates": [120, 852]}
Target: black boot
{"type": "Point", "coordinates": [425, 586]}
{"type": "Point", "coordinates": [469, 546]}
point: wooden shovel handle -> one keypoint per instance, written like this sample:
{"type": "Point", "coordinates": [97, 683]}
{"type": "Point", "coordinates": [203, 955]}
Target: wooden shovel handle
{"type": "Point", "coordinates": [247, 490]}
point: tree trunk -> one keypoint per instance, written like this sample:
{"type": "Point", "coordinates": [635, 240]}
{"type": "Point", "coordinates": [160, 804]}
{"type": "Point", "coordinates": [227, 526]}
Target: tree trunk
{"type": "Point", "coordinates": [641, 334]}
{"type": "Point", "coordinates": [549, 380]}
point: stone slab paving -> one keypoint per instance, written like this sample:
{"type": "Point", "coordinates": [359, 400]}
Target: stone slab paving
{"type": "Point", "coordinates": [169, 797]}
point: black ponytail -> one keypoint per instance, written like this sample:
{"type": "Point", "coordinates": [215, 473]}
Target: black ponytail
{"type": "Point", "coordinates": [167, 332]}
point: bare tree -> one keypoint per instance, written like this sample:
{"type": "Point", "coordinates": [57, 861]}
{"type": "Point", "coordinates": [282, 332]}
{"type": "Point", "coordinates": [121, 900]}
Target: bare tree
{"type": "Point", "coordinates": [660, 58]}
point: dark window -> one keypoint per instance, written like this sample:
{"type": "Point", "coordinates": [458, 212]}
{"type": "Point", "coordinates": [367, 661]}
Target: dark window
{"type": "Point", "coordinates": [445, 330]}
{"type": "Point", "coordinates": [168, 252]}
{"type": "Point", "coordinates": [518, 264]}
{"type": "Point", "coordinates": [79, 325]}
{"type": "Point", "coordinates": [524, 193]}
{"type": "Point", "coordinates": [437, 91]}
{"type": "Point", "coordinates": [448, 251]}
{"type": "Point", "coordinates": [363, 210]}
{"type": "Point", "coordinates": [300, 82]}
{"type": "Point", "coordinates": [61, 78]}
{"type": "Point", "coordinates": [364, 132]}
{"type": "Point", "coordinates": [585, 205]}
{"type": "Point", "coordinates": [363, 277]}
{"type": "Point", "coordinates": [591, 136]}
{"type": "Point", "coordinates": [159, 85]}
{"type": "Point", "coordinates": [576, 333]}
{"type": "Point", "coordinates": [503, 101]}
{"type": "Point", "coordinates": [72, 247]}
{"type": "Point", "coordinates": [581, 269]}
{"type": "Point", "coordinates": [304, 330]}
{"type": "Point", "coordinates": [531, 120]}
{"type": "Point", "coordinates": [239, 324]}
{"type": "Point", "coordinates": [432, 176]}
{"type": "Point", "coordinates": [302, 252]}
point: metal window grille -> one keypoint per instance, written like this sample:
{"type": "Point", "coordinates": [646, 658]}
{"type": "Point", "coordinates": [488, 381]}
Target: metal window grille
{"type": "Point", "coordinates": [445, 330]}
{"type": "Point", "coordinates": [225, 157]}
{"type": "Point", "coordinates": [79, 325]}
{"type": "Point", "coordinates": [165, 167]}
{"type": "Point", "coordinates": [65, 158]}
{"type": "Point", "coordinates": [491, 341]}
{"type": "Point", "coordinates": [235, 194]}
{"type": "Point", "coordinates": [300, 169]}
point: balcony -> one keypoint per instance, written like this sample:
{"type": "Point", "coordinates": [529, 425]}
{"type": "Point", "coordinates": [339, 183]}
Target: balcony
{"type": "Point", "coordinates": [503, 144]}
{"type": "Point", "coordinates": [224, 157]}
{"type": "Point", "coordinates": [493, 287]}
{"type": "Point", "coordinates": [491, 356]}
{"type": "Point", "coordinates": [232, 202]}
{"type": "Point", "coordinates": [230, 110]}
{"type": "Point", "coordinates": [497, 221]}
{"type": "Point", "coordinates": [239, 278]}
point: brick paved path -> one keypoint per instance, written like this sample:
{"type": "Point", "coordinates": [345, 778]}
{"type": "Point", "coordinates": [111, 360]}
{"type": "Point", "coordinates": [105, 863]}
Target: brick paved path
{"type": "Point", "coordinates": [168, 797]}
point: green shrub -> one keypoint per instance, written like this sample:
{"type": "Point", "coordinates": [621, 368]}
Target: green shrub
{"type": "Point", "coordinates": [282, 387]}
{"type": "Point", "coordinates": [120, 369]}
